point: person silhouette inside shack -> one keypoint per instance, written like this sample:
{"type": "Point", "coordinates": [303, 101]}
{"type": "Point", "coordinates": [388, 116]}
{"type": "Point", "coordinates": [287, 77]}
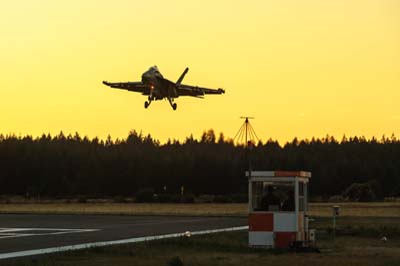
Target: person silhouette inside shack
{"type": "Point", "coordinates": [288, 204]}
{"type": "Point", "coordinates": [270, 201]}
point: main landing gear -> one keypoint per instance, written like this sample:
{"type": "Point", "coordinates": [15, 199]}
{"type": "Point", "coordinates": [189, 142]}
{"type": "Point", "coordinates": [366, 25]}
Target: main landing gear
{"type": "Point", "coordinates": [171, 102]}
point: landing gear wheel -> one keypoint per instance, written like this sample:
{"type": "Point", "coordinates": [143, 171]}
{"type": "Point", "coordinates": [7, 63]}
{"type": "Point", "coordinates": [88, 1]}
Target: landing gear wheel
{"type": "Point", "coordinates": [174, 106]}
{"type": "Point", "coordinates": [146, 104]}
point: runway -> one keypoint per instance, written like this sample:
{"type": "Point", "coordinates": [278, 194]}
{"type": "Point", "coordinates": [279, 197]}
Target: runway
{"type": "Point", "coordinates": [21, 233]}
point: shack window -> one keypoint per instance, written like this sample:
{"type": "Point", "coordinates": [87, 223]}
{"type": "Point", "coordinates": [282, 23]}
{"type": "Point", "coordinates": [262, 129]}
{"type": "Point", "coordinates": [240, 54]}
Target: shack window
{"type": "Point", "coordinates": [273, 196]}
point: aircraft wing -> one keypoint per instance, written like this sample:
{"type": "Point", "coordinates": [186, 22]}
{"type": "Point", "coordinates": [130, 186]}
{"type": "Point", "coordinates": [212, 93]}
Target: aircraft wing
{"type": "Point", "coordinates": [130, 86]}
{"type": "Point", "coordinates": [195, 91]}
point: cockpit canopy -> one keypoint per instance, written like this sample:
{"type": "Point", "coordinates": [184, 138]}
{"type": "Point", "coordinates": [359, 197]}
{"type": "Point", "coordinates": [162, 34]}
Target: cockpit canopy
{"type": "Point", "coordinates": [154, 68]}
{"type": "Point", "coordinates": [151, 74]}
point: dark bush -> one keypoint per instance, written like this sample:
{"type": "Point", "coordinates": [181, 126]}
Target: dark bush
{"type": "Point", "coordinates": [166, 198]}
{"type": "Point", "coordinates": [222, 199]}
{"type": "Point", "coordinates": [205, 198]}
{"type": "Point", "coordinates": [145, 195]}
{"type": "Point", "coordinates": [82, 199]}
{"type": "Point", "coordinates": [187, 198]}
{"type": "Point", "coordinates": [240, 198]}
{"type": "Point", "coordinates": [176, 198]}
{"type": "Point", "coordinates": [360, 192]}
{"type": "Point", "coordinates": [175, 261]}
{"type": "Point", "coordinates": [120, 199]}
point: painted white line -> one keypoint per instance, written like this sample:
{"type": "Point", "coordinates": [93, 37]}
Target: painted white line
{"type": "Point", "coordinates": [2, 230]}
{"type": "Point", "coordinates": [114, 242]}
{"type": "Point", "coordinates": [14, 235]}
{"type": "Point", "coordinates": [21, 232]}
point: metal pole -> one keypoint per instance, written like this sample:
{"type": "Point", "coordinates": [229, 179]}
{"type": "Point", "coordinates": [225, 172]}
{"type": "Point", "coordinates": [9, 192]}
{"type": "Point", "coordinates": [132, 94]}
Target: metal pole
{"type": "Point", "coordinates": [247, 132]}
{"type": "Point", "coordinates": [247, 124]}
{"type": "Point", "coordinates": [335, 212]}
{"type": "Point", "coordinates": [334, 229]}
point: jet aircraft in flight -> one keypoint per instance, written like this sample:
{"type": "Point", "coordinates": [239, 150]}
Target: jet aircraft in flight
{"type": "Point", "coordinates": [156, 87]}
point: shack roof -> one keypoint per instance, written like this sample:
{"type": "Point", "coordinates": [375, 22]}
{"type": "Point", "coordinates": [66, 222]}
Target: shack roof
{"type": "Point", "coordinates": [279, 174]}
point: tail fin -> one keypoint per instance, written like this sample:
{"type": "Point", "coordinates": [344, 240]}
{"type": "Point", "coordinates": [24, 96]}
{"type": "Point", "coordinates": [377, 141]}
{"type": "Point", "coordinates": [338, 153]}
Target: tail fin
{"type": "Point", "coordinates": [178, 83]}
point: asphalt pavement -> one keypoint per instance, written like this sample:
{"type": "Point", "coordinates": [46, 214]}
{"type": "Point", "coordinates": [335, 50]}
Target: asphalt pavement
{"type": "Point", "coordinates": [25, 232]}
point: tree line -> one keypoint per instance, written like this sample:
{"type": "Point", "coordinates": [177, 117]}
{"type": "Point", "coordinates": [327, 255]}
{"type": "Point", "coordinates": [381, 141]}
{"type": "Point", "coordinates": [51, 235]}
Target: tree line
{"type": "Point", "coordinates": [62, 166]}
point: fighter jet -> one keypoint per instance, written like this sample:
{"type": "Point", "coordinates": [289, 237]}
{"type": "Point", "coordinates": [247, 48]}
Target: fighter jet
{"type": "Point", "coordinates": [156, 87]}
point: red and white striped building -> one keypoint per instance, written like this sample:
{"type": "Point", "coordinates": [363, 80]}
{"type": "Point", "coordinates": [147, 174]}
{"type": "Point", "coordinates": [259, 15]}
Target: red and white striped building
{"type": "Point", "coordinates": [278, 207]}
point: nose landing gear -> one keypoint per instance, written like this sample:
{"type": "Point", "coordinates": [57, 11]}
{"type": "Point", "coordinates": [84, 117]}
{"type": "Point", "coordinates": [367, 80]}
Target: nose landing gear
{"type": "Point", "coordinates": [147, 103]}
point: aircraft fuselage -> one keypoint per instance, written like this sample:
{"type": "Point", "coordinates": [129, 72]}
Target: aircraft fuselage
{"type": "Point", "coordinates": [158, 87]}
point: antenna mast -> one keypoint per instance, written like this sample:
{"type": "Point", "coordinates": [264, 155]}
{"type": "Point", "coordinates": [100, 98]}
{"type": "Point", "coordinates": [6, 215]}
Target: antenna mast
{"type": "Point", "coordinates": [248, 134]}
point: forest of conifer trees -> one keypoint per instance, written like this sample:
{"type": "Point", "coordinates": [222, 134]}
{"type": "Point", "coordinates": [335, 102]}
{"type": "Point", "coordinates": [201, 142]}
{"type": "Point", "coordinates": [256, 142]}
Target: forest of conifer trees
{"type": "Point", "coordinates": [72, 165]}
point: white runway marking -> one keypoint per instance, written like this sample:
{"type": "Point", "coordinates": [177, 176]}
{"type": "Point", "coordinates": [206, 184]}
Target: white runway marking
{"type": "Point", "coordinates": [21, 232]}
{"type": "Point", "coordinates": [114, 242]}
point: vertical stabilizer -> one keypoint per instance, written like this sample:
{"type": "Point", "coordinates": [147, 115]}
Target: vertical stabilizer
{"type": "Point", "coordinates": [178, 83]}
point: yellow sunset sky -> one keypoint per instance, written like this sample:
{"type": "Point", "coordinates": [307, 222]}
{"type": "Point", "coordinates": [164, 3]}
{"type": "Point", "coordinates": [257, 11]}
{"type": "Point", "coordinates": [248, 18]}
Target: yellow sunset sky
{"type": "Point", "coordinates": [302, 68]}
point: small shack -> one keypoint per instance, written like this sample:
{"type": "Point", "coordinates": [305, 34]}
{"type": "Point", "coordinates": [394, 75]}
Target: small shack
{"type": "Point", "coordinates": [278, 206]}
